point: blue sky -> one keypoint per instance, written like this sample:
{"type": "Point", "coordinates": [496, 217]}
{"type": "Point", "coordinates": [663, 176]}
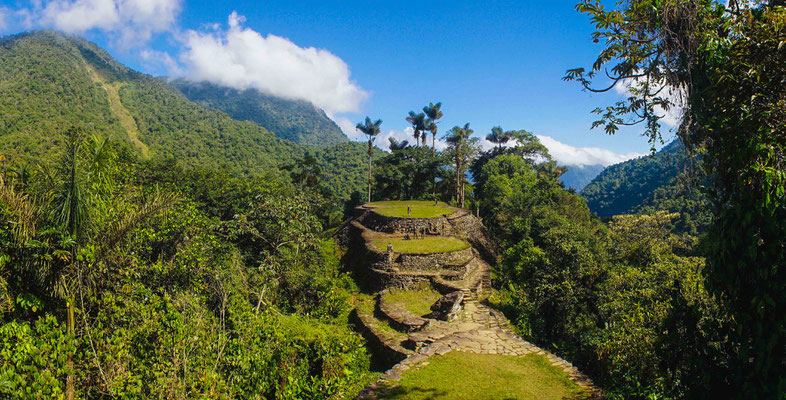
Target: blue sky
{"type": "Point", "coordinates": [489, 63]}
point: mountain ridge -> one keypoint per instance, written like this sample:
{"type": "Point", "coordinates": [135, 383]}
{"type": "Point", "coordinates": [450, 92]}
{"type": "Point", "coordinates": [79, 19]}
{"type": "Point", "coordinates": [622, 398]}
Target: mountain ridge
{"type": "Point", "coordinates": [50, 81]}
{"type": "Point", "coordinates": [298, 121]}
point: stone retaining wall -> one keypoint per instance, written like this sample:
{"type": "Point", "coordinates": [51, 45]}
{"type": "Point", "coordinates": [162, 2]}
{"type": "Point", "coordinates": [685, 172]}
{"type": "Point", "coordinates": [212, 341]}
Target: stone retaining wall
{"type": "Point", "coordinates": [385, 353]}
{"type": "Point", "coordinates": [382, 223]}
{"type": "Point", "coordinates": [407, 261]}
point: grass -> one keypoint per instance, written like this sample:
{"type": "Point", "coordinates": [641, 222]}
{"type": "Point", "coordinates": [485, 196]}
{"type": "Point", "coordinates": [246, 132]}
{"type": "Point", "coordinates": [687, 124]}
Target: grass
{"type": "Point", "coordinates": [419, 208]}
{"type": "Point", "coordinates": [389, 203]}
{"type": "Point", "coordinates": [417, 301]}
{"type": "Point", "coordinates": [416, 211]}
{"type": "Point", "coordinates": [429, 244]}
{"type": "Point", "coordinates": [459, 375]}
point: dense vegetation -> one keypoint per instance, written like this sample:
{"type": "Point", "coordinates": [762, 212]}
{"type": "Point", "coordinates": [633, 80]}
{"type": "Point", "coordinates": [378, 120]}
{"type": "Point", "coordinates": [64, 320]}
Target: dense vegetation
{"type": "Point", "coordinates": [669, 180]}
{"type": "Point", "coordinates": [295, 120]}
{"type": "Point", "coordinates": [726, 61]}
{"type": "Point", "coordinates": [601, 294]}
{"type": "Point", "coordinates": [138, 279]}
{"type": "Point", "coordinates": [49, 82]}
{"type": "Point", "coordinates": [623, 187]}
{"type": "Point", "coordinates": [213, 278]}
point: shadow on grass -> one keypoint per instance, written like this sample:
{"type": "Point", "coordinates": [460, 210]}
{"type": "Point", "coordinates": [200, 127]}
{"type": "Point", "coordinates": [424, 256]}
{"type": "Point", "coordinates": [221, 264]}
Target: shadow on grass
{"type": "Point", "coordinates": [400, 393]}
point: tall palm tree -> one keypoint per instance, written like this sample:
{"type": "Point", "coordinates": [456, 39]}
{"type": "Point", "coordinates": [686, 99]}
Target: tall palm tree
{"type": "Point", "coordinates": [499, 137]}
{"type": "Point", "coordinates": [434, 113]}
{"type": "Point", "coordinates": [370, 129]}
{"type": "Point", "coordinates": [418, 122]}
{"type": "Point", "coordinates": [463, 147]}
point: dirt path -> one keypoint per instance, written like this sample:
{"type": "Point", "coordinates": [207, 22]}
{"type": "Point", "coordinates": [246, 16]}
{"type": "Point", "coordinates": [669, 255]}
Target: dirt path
{"type": "Point", "coordinates": [126, 120]}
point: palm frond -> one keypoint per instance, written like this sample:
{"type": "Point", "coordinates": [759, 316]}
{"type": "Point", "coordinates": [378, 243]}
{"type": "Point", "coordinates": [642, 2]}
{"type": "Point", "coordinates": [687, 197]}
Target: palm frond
{"type": "Point", "coordinates": [117, 232]}
{"type": "Point", "coordinates": [23, 208]}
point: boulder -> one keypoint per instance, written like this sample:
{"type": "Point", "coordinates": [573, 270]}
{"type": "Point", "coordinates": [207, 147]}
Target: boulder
{"type": "Point", "coordinates": [448, 307]}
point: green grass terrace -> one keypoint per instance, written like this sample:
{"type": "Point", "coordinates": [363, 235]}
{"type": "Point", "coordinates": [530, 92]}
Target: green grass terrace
{"type": "Point", "coordinates": [417, 301]}
{"type": "Point", "coordinates": [459, 375]}
{"type": "Point", "coordinates": [420, 209]}
{"type": "Point", "coordinates": [429, 244]}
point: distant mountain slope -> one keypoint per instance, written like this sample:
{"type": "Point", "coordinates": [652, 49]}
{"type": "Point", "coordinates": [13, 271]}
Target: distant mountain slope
{"type": "Point", "coordinates": [295, 120]}
{"type": "Point", "coordinates": [50, 82]}
{"type": "Point", "coordinates": [578, 177]}
{"type": "Point", "coordinates": [623, 187]}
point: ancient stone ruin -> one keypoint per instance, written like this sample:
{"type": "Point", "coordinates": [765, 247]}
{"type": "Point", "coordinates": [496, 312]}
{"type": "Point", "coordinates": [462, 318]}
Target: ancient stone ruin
{"type": "Point", "coordinates": [460, 320]}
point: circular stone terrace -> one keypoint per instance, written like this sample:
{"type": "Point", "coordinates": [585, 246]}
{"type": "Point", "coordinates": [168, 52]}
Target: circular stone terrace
{"type": "Point", "coordinates": [410, 209]}
{"type": "Point", "coordinates": [425, 245]}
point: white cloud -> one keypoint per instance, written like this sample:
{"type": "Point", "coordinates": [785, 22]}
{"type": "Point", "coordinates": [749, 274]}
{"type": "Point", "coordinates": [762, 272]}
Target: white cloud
{"type": "Point", "coordinates": [2, 20]}
{"type": "Point", "coordinates": [133, 22]}
{"type": "Point", "coordinates": [160, 62]}
{"type": "Point", "coordinates": [348, 127]}
{"type": "Point", "coordinates": [580, 156]}
{"type": "Point", "coordinates": [242, 58]}
{"type": "Point", "coordinates": [383, 139]}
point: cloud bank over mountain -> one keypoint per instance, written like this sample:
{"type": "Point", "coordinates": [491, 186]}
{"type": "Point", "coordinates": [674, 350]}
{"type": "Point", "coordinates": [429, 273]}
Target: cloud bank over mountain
{"type": "Point", "coordinates": [131, 23]}
{"type": "Point", "coordinates": [242, 58]}
{"type": "Point", "coordinates": [232, 55]}
{"type": "Point", "coordinates": [566, 154]}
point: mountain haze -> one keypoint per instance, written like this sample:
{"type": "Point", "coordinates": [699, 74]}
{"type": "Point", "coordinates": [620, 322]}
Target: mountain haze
{"type": "Point", "coordinates": [578, 177]}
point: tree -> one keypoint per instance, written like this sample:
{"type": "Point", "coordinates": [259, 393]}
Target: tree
{"type": "Point", "coordinates": [370, 129]}
{"type": "Point", "coordinates": [418, 122]}
{"type": "Point", "coordinates": [396, 145]}
{"type": "Point", "coordinates": [498, 137]}
{"type": "Point", "coordinates": [726, 66]}
{"type": "Point", "coordinates": [433, 113]}
{"type": "Point", "coordinates": [462, 147]}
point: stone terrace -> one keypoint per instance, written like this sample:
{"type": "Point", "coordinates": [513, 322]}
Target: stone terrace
{"type": "Point", "coordinates": [401, 340]}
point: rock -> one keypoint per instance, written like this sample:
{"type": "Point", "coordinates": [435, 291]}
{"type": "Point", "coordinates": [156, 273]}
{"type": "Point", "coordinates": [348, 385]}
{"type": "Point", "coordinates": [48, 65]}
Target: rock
{"type": "Point", "coordinates": [448, 307]}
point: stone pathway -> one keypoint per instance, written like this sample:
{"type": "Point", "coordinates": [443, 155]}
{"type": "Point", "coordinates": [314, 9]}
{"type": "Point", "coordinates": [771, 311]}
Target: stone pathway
{"type": "Point", "coordinates": [482, 330]}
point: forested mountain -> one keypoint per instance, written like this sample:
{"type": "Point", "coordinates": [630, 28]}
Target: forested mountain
{"type": "Point", "coordinates": [578, 177]}
{"type": "Point", "coordinates": [623, 187]}
{"type": "Point", "coordinates": [50, 82]}
{"type": "Point", "coordinates": [295, 120]}
{"type": "Point", "coordinates": [666, 181]}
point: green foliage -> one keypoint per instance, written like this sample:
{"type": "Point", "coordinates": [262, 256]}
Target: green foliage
{"type": "Point", "coordinates": [408, 172]}
{"type": "Point", "coordinates": [600, 295]}
{"type": "Point", "coordinates": [211, 296]}
{"type": "Point", "coordinates": [34, 358]}
{"type": "Point", "coordinates": [727, 62]}
{"type": "Point", "coordinates": [295, 120]}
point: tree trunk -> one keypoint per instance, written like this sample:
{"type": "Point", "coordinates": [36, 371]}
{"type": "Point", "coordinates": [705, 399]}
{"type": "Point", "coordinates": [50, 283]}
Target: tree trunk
{"type": "Point", "coordinates": [458, 194]}
{"type": "Point", "coordinates": [70, 390]}
{"type": "Point", "coordinates": [370, 152]}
